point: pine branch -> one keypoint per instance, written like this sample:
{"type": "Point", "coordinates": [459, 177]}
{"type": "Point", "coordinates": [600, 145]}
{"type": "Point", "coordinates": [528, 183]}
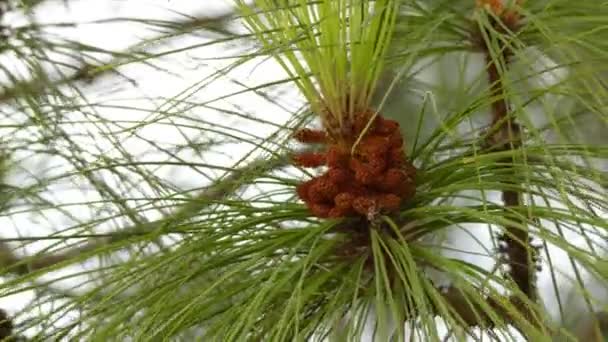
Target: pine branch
{"type": "Point", "coordinates": [92, 72]}
{"type": "Point", "coordinates": [211, 194]}
{"type": "Point", "coordinates": [508, 137]}
{"type": "Point", "coordinates": [255, 266]}
{"type": "Point", "coordinates": [520, 256]}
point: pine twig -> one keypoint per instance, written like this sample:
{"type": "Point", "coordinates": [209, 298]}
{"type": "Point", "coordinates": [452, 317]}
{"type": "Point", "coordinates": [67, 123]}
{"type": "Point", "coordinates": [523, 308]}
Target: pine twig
{"type": "Point", "coordinates": [520, 256]}
{"type": "Point", "coordinates": [10, 262]}
{"type": "Point", "coordinates": [91, 72]}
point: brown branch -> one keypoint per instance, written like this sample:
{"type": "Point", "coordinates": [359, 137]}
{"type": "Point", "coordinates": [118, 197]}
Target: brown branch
{"type": "Point", "coordinates": [594, 327]}
{"type": "Point", "coordinates": [6, 326]}
{"type": "Point", "coordinates": [505, 135]}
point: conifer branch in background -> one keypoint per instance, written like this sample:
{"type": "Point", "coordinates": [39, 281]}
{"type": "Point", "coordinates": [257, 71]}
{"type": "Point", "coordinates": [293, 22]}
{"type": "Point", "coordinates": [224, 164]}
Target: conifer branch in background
{"type": "Point", "coordinates": [224, 186]}
{"type": "Point", "coordinates": [518, 253]}
{"type": "Point", "coordinates": [89, 73]}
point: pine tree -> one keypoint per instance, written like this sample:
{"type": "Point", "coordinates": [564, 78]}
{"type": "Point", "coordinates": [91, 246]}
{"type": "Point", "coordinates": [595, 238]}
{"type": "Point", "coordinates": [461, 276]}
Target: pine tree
{"type": "Point", "coordinates": [345, 170]}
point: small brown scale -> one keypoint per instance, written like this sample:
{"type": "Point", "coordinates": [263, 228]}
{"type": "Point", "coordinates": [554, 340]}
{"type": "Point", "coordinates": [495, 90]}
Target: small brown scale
{"type": "Point", "coordinates": [376, 178]}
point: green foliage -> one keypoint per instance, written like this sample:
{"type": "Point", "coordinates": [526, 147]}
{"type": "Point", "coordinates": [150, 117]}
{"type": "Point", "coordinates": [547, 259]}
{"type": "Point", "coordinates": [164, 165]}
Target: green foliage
{"type": "Point", "coordinates": [333, 50]}
{"type": "Point", "coordinates": [233, 255]}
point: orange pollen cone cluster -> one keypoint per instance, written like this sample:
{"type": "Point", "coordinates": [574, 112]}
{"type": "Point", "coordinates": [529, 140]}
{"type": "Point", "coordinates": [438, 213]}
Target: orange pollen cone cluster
{"type": "Point", "coordinates": [375, 179]}
{"type": "Point", "coordinates": [508, 15]}
{"type": "Point", "coordinates": [495, 5]}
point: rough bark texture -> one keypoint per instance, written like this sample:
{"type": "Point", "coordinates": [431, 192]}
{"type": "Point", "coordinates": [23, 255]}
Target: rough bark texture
{"type": "Point", "coordinates": [520, 256]}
